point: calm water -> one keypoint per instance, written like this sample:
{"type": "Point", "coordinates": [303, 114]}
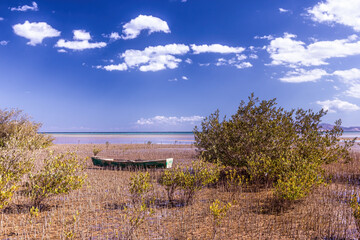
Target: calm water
{"type": "Point", "coordinates": [137, 137]}
{"type": "Point", "coordinates": [124, 137]}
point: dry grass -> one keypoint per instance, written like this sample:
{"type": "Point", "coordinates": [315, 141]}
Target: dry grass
{"type": "Point", "coordinates": [99, 206]}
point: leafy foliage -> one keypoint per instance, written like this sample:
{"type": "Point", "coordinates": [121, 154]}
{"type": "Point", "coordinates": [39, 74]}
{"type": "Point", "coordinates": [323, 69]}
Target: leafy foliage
{"type": "Point", "coordinates": [19, 138]}
{"type": "Point", "coordinates": [273, 144]}
{"type": "Point", "coordinates": [140, 185]}
{"type": "Point", "coordinates": [16, 127]}
{"type": "Point", "coordinates": [60, 174]}
{"type": "Point", "coordinates": [189, 179]}
{"type": "Point", "coordinates": [218, 211]}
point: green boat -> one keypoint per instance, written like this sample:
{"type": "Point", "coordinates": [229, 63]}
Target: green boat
{"type": "Point", "coordinates": [139, 163]}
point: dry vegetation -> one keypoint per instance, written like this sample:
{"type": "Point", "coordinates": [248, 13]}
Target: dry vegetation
{"type": "Point", "coordinates": [102, 208]}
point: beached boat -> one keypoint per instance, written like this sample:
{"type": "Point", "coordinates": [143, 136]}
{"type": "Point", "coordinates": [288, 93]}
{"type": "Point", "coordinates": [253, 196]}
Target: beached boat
{"type": "Point", "coordinates": [122, 163]}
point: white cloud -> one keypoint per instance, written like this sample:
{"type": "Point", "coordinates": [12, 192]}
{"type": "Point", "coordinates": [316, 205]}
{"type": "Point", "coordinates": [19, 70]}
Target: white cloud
{"type": "Point", "coordinates": [79, 45]}
{"type": "Point", "coordinates": [81, 35]}
{"type": "Point", "coordinates": [184, 78]}
{"type": "Point", "coordinates": [3, 43]}
{"type": "Point", "coordinates": [301, 75]}
{"type": "Point", "coordinates": [243, 65]}
{"type": "Point", "coordinates": [133, 28]}
{"type": "Point", "coordinates": [253, 56]}
{"type": "Point", "coordinates": [173, 80]}
{"type": "Point", "coordinates": [338, 105]}
{"type": "Point", "coordinates": [282, 10]}
{"type": "Point", "coordinates": [235, 61]}
{"type": "Point", "coordinates": [215, 48]}
{"type": "Point", "coordinates": [25, 8]}
{"type": "Point", "coordinates": [81, 42]}
{"type": "Point", "coordinates": [1, 19]}
{"type": "Point", "coordinates": [351, 78]}
{"type": "Point", "coordinates": [155, 58]}
{"type": "Point", "coordinates": [346, 12]}
{"type": "Point", "coordinates": [35, 31]}
{"type": "Point", "coordinates": [349, 75]}
{"type": "Point", "coordinates": [162, 120]}
{"type": "Point", "coordinates": [112, 67]}
{"type": "Point", "coordinates": [62, 51]}
{"type": "Point", "coordinates": [188, 61]}
{"type": "Point", "coordinates": [268, 37]}
{"type": "Point", "coordinates": [287, 51]}
{"type": "Point", "coordinates": [114, 36]}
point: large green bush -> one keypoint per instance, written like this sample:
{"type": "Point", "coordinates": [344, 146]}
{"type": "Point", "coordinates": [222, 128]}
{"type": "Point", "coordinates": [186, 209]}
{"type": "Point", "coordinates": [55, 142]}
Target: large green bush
{"type": "Point", "coordinates": [272, 144]}
{"type": "Point", "coordinates": [19, 138]}
{"type": "Point", "coordinates": [60, 174]}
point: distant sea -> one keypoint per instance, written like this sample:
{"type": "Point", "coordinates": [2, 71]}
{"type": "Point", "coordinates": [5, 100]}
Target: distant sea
{"type": "Point", "coordinates": [122, 137]}
{"type": "Point", "coordinates": [137, 137]}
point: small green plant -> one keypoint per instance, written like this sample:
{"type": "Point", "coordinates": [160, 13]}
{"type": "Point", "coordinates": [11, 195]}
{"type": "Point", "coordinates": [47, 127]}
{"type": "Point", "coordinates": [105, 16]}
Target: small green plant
{"type": "Point", "coordinates": [218, 211]}
{"type": "Point", "coordinates": [70, 225]}
{"type": "Point", "coordinates": [189, 180]}
{"type": "Point", "coordinates": [60, 174]}
{"type": "Point", "coordinates": [139, 186]}
{"type": "Point", "coordinates": [96, 151]}
{"type": "Point", "coordinates": [136, 217]}
{"type": "Point", "coordinates": [356, 208]}
{"type": "Point", "coordinates": [107, 144]}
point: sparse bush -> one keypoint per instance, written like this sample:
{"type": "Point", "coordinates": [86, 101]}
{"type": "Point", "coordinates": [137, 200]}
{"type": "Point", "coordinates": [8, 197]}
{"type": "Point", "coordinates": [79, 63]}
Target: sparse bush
{"type": "Point", "coordinates": [96, 151]}
{"type": "Point", "coordinates": [189, 180]}
{"type": "Point", "coordinates": [272, 144]}
{"type": "Point", "coordinates": [139, 186]}
{"type": "Point", "coordinates": [218, 212]}
{"type": "Point", "coordinates": [60, 174]}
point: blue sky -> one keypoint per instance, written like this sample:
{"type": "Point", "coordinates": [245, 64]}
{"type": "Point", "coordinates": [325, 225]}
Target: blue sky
{"type": "Point", "coordinates": [163, 65]}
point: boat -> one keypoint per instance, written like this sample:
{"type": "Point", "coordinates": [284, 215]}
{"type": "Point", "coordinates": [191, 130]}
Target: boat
{"type": "Point", "coordinates": [139, 163]}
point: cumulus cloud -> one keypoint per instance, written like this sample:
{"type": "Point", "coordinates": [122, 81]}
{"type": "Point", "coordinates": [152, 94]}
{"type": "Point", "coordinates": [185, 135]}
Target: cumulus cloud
{"type": "Point", "coordinates": [184, 78]}
{"type": "Point", "coordinates": [243, 65]}
{"type": "Point", "coordinates": [338, 105]}
{"type": "Point", "coordinates": [173, 80]}
{"type": "Point", "coordinates": [351, 78]}
{"type": "Point", "coordinates": [301, 75]}
{"type": "Point", "coordinates": [155, 58]}
{"type": "Point", "coordinates": [1, 19]}
{"type": "Point", "coordinates": [25, 8]}
{"type": "Point", "coordinates": [133, 28]}
{"type": "Point", "coordinates": [290, 52]}
{"type": "Point", "coordinates": [118, 67]}
{"type": "Point", "coordinates": [81, 42]}
{"type": "Point", "coordinates": [81, 35]}
{"type": "Point", "coordinates": [215, 48]}
{"type": "Point", "coordinates": [35, 31]}
{"type": "Point", "coordinates": [162, 120]}
{"type": "Point", "coordinates": [236, 61]}
{"type": "Point", "coordinates": [346, 12]}
{"type": "Point", "coordinates": [3, 43]}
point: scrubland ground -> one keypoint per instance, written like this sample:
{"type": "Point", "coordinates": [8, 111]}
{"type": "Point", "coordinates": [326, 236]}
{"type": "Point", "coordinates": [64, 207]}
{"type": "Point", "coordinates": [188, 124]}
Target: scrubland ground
{"type": "Point", "coordinates": [100, 210]}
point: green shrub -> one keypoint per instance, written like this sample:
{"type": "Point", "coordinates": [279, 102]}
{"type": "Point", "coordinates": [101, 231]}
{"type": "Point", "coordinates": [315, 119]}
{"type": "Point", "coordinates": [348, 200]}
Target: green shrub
{"type": "Point", "coordinates": [272, 144]}
{"type": "Point", "coordinates": [189, 180]}
{"type": "Point", "coordinates": [60, 174]}
{"type": "Point", "coordinates": [139, 186]}
{"type": "Point", "coordinates": [96, 151]}
{"type": "Point", "coordinates": [17, 128]}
